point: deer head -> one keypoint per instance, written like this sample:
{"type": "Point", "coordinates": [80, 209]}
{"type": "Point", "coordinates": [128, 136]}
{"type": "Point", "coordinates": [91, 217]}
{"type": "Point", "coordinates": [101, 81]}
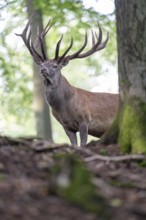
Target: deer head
{"type": "Point", "coordinates": [51, 67]}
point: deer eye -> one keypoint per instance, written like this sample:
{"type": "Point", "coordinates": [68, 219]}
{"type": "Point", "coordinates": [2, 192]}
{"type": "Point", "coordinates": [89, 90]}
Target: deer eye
{"type": "Point", "coordinates": [55, 66]}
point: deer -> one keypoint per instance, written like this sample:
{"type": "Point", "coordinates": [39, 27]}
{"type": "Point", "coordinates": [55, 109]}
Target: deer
{"type": "Point", "coordinates": [76, 109]}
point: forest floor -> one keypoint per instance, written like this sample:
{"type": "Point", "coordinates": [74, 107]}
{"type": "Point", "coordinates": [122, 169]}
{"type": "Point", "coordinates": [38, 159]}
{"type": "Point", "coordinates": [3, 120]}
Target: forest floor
{"type": "Point", "coordinates": [25, 181]}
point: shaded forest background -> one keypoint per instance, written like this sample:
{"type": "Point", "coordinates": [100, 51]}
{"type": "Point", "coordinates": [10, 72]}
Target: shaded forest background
{"type": "Point", "coordinates": [18, 105]}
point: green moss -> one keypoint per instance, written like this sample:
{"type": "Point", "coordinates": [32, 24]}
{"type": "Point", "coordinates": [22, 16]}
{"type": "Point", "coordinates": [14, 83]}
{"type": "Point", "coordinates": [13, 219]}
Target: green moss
{"type": "Point", "coordinates": [116, 202]}
{"type": "Point", "coordinates": [142, 163]}
{"type": "Point", "coordinates": [103, 152]}
{"type": "Point", "coordinates": [3, 176]}
{"type": "Point", "coordinates": [121, 184]}
{"type": "Point", "coordinates": [72, 181]}
{"type": "Point", "coordinates": [132, 137]}
{"type": "Point", "coordinates": [111, 135]}
{"type": "Point", "coordinates": [125, 130]}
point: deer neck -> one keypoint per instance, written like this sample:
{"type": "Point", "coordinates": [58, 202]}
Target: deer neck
{"type": "Point", "coordinates": [58, 93]}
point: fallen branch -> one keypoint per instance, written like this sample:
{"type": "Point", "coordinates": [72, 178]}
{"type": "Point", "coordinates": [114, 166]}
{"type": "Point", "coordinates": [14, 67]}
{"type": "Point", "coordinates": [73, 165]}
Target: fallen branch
{"type": "Point", "coordinates": [116, 158]}
{"type": "Point", "coordinates": [45, 146]}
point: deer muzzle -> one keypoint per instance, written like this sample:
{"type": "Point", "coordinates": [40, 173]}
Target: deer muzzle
{"type": "Point", "coordinates": [44, 71]}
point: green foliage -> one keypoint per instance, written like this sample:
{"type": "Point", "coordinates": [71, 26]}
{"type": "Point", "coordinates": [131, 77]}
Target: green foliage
{"type": "Point", "coordinates": [15, 86]}
{"type": "Point", "coordinates": [67, 10]}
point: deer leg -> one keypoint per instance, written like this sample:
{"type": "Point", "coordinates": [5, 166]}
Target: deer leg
{"type": "Point", "coordinates": [83, 130]}
{"type": "Point", "coordinates": [72, 136]}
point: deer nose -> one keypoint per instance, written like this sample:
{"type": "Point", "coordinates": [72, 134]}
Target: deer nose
{"type": "Point", "coordinates": [43, 69]}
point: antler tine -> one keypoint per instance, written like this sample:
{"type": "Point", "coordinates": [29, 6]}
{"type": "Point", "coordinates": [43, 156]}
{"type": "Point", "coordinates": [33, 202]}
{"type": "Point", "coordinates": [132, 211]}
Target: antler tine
{"type": "Point", "coordinates": [43, 34]}
{"type": "Point", "coordinates": [75, 55]}
{"type": "Point", "coordinates": [67, 50]}
{"type": "Point", "coordinates": [40, 37]}
{"type": "Point", "coordinates": [23, 35]}
{"type": "Point", "coordinates": [103, 44]}
{"type": "Point", "coordinates": [99, 37]}
{"type": "Point", "coordinates": [47, 28]}
{"type": "Point", "coordinates": [35, 53]}
{"type": "Point", "coordinates": [57, 48]}
{"type": "Point", "coordinates": [43, 49]}
{"type": "Point", "coordinates": [37, 57]}
{"type": "Point", "coordinates": [29, 44]}
{"type": "Point", "coordinates": [97, 46]}
{"type": "Point", "coordinates": [39, 40]}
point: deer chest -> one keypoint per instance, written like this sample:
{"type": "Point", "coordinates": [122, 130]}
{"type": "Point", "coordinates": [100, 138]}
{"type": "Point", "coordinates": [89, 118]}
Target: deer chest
{"type": "Point", "coordinates": [66, 119]}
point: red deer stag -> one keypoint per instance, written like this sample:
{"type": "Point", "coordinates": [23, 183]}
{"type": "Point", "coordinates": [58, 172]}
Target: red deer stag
{"type": "Point", "coordinates": [76, 109]}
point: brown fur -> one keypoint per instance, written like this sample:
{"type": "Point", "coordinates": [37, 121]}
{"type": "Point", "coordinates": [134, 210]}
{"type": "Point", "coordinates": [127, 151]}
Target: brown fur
{"type": "Point", "coordinates": [75, 108]}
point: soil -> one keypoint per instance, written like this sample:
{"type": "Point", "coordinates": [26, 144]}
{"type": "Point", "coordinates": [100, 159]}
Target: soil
{"type": "Point", "coordinates": [24, 181]}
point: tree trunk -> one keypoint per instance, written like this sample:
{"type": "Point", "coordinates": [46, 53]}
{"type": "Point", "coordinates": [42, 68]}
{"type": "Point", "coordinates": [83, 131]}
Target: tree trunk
{"type": "Point", "coordinates": [42, 115]}
{"type": "Point", "coordinates": [131, 33]}
{"type": "Point", "coordinates": [130, 128]}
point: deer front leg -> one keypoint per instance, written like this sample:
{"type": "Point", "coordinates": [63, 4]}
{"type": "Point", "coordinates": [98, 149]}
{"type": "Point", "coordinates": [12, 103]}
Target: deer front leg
{"type": "Point", "coordinates": [83, 130]}
{"type": "Point", "coordinates": [72, 136]}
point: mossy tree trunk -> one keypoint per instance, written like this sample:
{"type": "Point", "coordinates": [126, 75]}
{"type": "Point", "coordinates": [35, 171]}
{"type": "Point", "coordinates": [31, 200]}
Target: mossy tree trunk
{"type": "Point", "coordinates": [42, 114]}
{"type": "Point", "coordinates": [130, 125]}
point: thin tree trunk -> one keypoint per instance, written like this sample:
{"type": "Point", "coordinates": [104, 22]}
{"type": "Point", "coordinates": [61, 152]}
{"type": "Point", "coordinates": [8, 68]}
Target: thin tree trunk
{"type": "Point", "coordinates": [42, 115]}
{"type": "Point", "coordinates": [131, 38]}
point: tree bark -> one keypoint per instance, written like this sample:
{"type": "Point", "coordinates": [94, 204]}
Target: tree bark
{"type": "Point", "coordinates": [130, 128]}
{"type": "Point", "coordinates": [42, 114]}
{"type": "Point", "coordinates": [131, 38]}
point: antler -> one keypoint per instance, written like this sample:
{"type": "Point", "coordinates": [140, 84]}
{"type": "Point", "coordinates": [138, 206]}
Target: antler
{"type": "Point", "coordinates": [32, 47]}
{"type": "Point", "coordinates": [97, 45]}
